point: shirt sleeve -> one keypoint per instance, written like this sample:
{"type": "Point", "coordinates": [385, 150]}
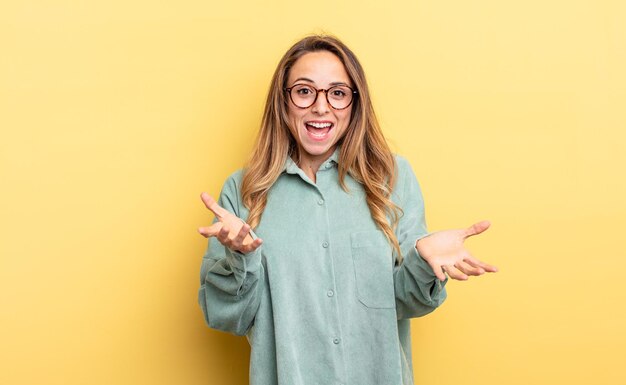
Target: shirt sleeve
{"type": "Point", "coordinates": [418, 291]}
{"type": "Point", "coordinates": [230, 281]}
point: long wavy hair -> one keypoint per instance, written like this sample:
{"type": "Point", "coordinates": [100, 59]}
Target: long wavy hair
{"type": "Point", "coordinates": [364, 155]}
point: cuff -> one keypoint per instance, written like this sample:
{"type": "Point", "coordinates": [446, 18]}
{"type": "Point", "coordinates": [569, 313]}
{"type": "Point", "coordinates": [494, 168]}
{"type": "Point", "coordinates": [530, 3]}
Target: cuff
{"type": "Point", "coordinates": [245, 262]}
{"type": "Point", "coordinates": [424, 271]}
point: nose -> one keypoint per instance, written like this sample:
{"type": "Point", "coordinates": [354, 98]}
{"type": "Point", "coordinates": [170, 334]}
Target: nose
{"type": "Point", "coordinates": [320, 106]}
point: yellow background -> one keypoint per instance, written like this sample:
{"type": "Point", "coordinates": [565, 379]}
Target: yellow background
{"type": "Point", "coordinates": [115, 115]}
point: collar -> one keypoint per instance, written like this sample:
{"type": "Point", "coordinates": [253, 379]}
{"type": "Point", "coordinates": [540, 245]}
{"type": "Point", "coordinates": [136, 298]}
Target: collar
{"type": "Point", "coordinates": [292, 168]}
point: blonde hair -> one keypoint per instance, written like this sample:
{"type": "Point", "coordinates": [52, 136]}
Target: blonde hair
{"type": "Point", "coordinates": [364, 155]}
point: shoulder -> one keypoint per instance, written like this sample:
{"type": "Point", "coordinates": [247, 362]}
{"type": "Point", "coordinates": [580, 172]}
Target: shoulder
{"type": "Point", "coordinates": [230, 197]}
{"type": "Point", "coordinates": [406, 186]}
{"type": "Point", "coordinates": [404, 170]}
{"type": "Point", "coordinates": [233, 182]}
{"type": "Point", "coordinates": [402, 164]}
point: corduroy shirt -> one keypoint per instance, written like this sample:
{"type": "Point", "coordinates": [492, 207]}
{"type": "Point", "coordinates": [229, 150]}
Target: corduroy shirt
{"type": "Point", "coordinates": [323, 299]}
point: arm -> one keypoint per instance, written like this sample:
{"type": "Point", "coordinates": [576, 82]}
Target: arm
{"type": "Point", "coordinates": [418, 291]}
{"type": "Point", "coordinates": [231, 273]}
{"type": "Point", "coordinates": [420, 278]}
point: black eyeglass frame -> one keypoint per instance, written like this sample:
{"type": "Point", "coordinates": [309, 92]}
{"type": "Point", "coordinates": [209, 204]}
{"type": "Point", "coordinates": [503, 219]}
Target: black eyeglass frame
{"type": "Point", "coordinates": [317, 92]}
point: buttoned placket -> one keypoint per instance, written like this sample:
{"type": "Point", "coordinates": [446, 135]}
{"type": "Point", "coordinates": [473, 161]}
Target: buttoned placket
{"type": "Point", "coordinates": [324, 177]}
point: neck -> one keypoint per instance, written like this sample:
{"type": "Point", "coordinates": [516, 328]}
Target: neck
{"type": "Point", "coordinates": [310, 164]}
{"type": "Point", "coordinates": [310, 169]}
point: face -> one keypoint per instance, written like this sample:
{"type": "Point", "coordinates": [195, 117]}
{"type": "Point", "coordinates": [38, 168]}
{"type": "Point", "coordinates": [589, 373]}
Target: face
{"type": "Point", "coordinates": [318, 128]}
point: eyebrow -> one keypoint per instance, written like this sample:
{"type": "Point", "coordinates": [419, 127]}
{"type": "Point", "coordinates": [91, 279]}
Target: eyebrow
{"type": "Point", "coordinates": [311, 81]}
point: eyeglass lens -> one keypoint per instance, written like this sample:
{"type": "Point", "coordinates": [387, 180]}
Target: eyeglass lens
{"type": "Point", "coordinates": [304, 96]}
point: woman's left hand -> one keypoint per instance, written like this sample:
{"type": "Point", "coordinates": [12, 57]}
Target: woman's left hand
{"type": "Point", "coordinates": [445, 253]}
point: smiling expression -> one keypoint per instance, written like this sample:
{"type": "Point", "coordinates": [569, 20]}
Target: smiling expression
{"type": "Point", "coordinates": [318, 128]}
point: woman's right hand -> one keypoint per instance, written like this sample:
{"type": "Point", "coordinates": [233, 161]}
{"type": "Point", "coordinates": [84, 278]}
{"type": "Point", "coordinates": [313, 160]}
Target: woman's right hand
{"type": "Point", "coordinates": [230, 230]}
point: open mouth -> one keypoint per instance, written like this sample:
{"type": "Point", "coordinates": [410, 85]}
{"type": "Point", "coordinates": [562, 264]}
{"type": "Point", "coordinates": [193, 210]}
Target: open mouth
{"type": "Point", "coordinates": [318, 130]}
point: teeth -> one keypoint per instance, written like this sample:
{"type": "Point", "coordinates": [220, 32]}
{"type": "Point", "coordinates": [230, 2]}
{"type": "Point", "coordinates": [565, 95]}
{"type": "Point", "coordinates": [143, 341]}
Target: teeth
{"type": "Point", "coordinates": [318, 135]}
{"type": "Point", "coordinates": [319, 125]}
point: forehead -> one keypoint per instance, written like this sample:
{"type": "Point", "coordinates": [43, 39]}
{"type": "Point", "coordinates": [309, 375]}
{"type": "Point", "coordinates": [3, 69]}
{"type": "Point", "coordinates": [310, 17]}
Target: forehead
{"type": "Point", "coordinates": [320, 67]}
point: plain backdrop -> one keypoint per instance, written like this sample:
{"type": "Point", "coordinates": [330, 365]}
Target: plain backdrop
{"type": "Point", "coordinates": [115, 115]}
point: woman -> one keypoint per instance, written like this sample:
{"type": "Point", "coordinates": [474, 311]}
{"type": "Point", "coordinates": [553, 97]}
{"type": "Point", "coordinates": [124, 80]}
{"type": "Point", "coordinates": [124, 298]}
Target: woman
{"type": "Point", "coordinates": [339, 259]}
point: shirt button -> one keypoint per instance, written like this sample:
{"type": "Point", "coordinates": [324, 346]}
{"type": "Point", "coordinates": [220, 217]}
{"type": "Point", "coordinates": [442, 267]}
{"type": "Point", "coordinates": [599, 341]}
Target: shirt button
{"type": "Point", "coordinates": [330, 293]}
{"type": "Point", "coordinates": [320, 202]}
{"type": "Point", "coordinates": [336, 341]}
{"type": "Point", "coordinates": [325, 245]}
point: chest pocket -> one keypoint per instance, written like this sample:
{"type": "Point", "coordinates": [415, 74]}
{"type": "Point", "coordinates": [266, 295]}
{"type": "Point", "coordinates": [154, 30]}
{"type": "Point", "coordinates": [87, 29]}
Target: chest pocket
{"type": "Point", "coordinates": [371, 254]}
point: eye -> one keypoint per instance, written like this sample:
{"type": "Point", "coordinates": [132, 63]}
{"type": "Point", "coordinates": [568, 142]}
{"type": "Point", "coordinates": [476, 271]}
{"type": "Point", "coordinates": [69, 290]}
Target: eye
{"type": "Point", "coordinates": [338, 92]}
{"type": "Point", "coordinates": [304, 90]}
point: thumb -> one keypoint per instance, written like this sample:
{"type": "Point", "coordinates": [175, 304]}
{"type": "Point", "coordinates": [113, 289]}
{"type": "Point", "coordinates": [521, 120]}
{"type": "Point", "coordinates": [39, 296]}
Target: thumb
{"type": "Point", "coordinates": [212, 205]}
{"type": "Point", "coordinates": [477, 228]}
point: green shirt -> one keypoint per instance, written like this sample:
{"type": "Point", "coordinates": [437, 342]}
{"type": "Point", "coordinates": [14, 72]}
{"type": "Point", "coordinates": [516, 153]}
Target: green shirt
{"type": "Point", "coordinates": [322, 301]}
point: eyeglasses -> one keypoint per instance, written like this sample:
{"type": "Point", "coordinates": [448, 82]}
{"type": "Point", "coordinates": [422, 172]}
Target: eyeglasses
{"type": "Point", "coordinates": [304, 96]}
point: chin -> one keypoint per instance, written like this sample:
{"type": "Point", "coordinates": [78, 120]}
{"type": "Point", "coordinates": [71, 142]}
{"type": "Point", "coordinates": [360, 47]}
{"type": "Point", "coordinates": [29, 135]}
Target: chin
{"type": "Point", "coordinates": [316, 149]}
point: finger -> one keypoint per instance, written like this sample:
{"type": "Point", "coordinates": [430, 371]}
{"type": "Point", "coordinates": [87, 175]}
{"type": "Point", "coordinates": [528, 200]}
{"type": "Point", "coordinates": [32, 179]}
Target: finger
{"type": "Point", "coordinates": [469, 269]}
{"type": "Point", "coordinates": [485, 266]}
{"type": "Point", "coordinates": [438, 271]}
{"type": "Point", "coordinates": [455, 273]}
{"type": "Point", "coordinates": [212, 205]}
{"type": "Point", "coordinates": [252, 246]}
{"type": "Point", "coordinates": [241, 235]}
{"type": "Point", "coordinates": [210, 231]}
{"type": "Point", "coordinates": [477, 228]}
{"type": "Point", "coordinates": [222, 236]}
{"type": "Point", "coordinates": [204, 231]}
